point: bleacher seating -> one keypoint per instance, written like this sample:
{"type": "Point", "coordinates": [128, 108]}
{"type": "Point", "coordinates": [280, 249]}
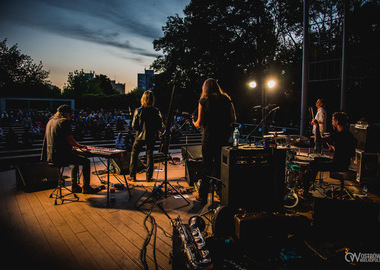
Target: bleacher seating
{"type": "Point", "coordinates": [19, 155]}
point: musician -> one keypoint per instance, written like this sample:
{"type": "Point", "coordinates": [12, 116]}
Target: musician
{"type": "Point", "coordinates": [343, 144]}
{"type": "Point", "coordinates": [147, 121]}
{"type": "Point", "coordinates": [57, 149]}
{"type": "Point", "coordinates": [216, 114]}
{"type": "Point", "coordinates": [319, 124]}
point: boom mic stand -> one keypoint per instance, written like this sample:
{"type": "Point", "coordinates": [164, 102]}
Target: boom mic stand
{"type": "Point", "coordinates": [165, 183]}
{"type": "Point", "coordinates": [264, 119]}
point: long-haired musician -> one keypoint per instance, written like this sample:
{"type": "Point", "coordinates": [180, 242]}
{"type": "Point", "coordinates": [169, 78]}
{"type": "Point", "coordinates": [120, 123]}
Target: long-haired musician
{"type": "Point", "coordinates": [216, 114]}
{"type": "Point", "coordinates": [147, 122]}
{"type": "Point", "coordinates": [57, 149]}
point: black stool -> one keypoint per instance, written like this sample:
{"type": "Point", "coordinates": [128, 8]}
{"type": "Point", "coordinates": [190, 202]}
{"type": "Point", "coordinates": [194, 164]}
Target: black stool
{"type": "Point", "coordinates": [343, 176]}
{"type": "Point", "coordinates": [57, 192]}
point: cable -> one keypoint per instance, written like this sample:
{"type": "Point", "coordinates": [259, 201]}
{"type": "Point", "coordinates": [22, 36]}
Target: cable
{"type": "Point", "coordinates": [151, 232]}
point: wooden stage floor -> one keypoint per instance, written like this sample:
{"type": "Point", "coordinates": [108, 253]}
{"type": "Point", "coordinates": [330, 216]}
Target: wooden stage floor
{"type": "Point", "coordinates": [87, 234]}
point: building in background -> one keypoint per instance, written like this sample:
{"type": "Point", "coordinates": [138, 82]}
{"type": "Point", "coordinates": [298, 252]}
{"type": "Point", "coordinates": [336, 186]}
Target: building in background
{"type": "Point", "coordinates": [119, 87]}
{"type": "Point", "coordinates": [144, 80]}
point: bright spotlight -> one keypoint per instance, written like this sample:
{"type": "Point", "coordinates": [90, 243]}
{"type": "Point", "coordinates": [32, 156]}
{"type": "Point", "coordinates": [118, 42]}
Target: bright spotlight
{"type": "Point", "coordinates": [252, 84]}
{"type": "Point", "coordinates": [271, 83]}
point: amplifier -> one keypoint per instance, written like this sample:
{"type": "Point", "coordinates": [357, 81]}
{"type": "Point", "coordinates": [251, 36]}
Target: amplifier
{"type": "Point", "coordinates": [253, 178]}
{"type": "Point", "coordinates": [367, 136]}
{"type": "Point", "coordinates": [36, 176]}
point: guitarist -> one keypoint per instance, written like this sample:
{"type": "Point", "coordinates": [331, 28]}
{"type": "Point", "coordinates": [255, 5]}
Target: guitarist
{"type": "Point", "coordinates": [319, 125]}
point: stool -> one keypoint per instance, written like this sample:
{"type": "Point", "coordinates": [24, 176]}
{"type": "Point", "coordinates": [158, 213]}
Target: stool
{"type": "Point", "coordinates": [57, 192]}
{"type": "Point", "coordinates": [343, 176]}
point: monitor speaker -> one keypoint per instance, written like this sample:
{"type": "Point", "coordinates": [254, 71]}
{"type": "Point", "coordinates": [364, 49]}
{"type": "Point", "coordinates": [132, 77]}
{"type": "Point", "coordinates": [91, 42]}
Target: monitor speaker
{"type": "Point", "coordinates": [36, 176]}
{"type": "Point", "coordinates": [192, 152]}
{"type": "Point", "coordinates": [121, 165]}
{"type": "Point", "coordinates": [253, 178]}
{"type": "Point", "coordinates": [193, 171]}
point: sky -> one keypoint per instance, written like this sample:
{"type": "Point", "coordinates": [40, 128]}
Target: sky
{"type": "Point", "coordinates": [110, 37]}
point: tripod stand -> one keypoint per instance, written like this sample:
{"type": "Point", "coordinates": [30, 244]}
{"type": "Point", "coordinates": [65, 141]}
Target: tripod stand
{"type": "Point", "coordinates": [156, 192]}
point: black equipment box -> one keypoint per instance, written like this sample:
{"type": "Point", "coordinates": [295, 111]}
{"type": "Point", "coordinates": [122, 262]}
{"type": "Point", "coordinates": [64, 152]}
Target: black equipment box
{"type": "Point", "coordinates": [253, 178]}
{"type": "Point", "coordinates": [36, 176]}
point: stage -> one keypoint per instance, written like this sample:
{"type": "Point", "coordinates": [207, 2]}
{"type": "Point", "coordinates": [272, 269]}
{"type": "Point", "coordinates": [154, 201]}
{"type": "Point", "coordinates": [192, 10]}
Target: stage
{"type": "Point", "coordinates": [88, 234]}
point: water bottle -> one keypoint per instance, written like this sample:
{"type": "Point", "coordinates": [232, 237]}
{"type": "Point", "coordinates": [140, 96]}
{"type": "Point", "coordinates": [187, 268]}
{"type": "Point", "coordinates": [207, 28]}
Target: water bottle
{"type": "Point", "coordinates": [365, 190]}
{"type": "Point", "coordinates": [235, 137]}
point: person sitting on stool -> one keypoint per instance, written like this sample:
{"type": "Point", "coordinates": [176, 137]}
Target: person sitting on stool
{"type": "Point", "coordinates": [342, 143]}
{"type": "Point", "coordinates": [57, 149]}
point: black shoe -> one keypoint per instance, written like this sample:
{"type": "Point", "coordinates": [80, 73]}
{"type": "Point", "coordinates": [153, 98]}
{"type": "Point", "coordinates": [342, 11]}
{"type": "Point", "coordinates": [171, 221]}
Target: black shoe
{"type": "Point", "coordinates": [90, 190]}
{"type": "Point", "coordinates": [75, 188]}
{"type": "Point", "coordinates": [150, 180]}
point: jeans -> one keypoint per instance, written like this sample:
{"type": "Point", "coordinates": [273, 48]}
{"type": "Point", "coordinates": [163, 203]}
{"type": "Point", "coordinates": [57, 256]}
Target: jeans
{"type": "Point", "coordinates": [211, 152]}
{"type": "Point", "coordinates": [77, 160]}
{"type": "Point", "coordinates": [136, 149]}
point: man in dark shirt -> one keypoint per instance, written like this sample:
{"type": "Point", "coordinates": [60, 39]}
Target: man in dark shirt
{"type": "Point", "coordinates": [342, 143]}
{"type": "Point", "coordinates": [147, 122]}
{"type": "Point", "coordinates": [57, 149]}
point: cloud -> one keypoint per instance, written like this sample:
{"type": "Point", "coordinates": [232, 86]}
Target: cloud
{"type": "Point", "coordinates": [126, 25]}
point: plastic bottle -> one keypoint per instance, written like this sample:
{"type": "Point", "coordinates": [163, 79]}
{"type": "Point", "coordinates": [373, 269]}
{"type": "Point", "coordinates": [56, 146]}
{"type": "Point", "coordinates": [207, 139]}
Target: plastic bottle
{"type": "Point", "coordinates": [236, 137]}
{"type": "Point", "coordinates": [365, 190]}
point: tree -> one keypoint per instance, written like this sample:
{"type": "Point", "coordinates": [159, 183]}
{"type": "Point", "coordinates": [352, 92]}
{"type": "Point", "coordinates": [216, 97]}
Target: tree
{"type": "Point", "coordinates": [227, 40]}
{"type": "Point", "coordinates": [79, 84]}
{"type": "Point", "coordinates": [19, 74]}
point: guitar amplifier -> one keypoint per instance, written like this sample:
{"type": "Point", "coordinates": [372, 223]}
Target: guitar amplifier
{"type": "Point", "coordinates": [253, 178]}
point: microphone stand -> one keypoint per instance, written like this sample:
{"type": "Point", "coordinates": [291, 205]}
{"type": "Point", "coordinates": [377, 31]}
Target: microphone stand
{"type": "Point", "coordinates": [247, 138]}
{"type": "Point", "coordinates": [165, 183]}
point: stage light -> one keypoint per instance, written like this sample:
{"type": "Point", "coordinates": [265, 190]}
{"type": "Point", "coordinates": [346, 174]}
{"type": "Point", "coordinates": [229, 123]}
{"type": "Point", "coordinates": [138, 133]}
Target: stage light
{"type": "Point", "coordinates": [271, 83]}
{"type": "Point", "coordinates": [252, 84]}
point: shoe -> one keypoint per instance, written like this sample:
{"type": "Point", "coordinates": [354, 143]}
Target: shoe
{"type": "Point", "coordinates": [90, 190]}
{"type": "Point", "coordinates": [150, 180]}
{"type": "Point", "coordinates": [132, 178]}
{"type": "Point", "coordinates": [75, 188]}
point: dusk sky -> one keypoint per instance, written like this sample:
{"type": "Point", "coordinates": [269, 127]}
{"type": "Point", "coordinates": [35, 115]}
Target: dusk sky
{"type": "Point", "coordinates": [110, 37]}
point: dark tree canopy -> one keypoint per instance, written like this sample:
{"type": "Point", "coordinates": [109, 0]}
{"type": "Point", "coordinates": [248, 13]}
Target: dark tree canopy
{"type": "Point", "coordinates": [238, 40]}
{"type": "Point", "coordinates": [20, 76]}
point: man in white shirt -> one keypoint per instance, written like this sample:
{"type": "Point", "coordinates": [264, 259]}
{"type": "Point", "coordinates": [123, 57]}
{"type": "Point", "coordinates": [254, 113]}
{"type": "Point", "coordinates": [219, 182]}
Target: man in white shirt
{"type": "Point", "coordinates": [319, 123]}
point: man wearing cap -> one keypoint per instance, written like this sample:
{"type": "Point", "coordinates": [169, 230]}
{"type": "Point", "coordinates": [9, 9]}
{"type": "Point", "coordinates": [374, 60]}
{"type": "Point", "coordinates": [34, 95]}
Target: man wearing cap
{"type": "Point", "coordinates": [57, 149]}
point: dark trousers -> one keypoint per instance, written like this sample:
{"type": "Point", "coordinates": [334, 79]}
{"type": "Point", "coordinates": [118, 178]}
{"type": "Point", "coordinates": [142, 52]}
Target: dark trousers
{"type": "Point", "coordinates": [319, 164]}
{"type": "Point", "coordinates": [76, 161]}
{"type": "Point", "coordinates": [211, 152]}
{"type": "Point", "coordinates": [136, 149]}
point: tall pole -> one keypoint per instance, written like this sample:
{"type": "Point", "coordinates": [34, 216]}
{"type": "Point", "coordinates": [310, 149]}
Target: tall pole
{"type": "Point", "coordinates": [343, 83]}
{"type": "Point", "coordinates": [305, 66]}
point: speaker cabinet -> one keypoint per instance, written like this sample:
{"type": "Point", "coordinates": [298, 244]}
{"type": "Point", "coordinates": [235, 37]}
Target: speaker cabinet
{"type": "Point", "coordinates": [253, 178]}
{"type": "Point", "coordinates": [192, 152]}
{"type": "Point", "coordinates": [36, 176]}
{"type": "Point", "coordinates": [193, 171]}
{"type": "Point", "coordinates": [121, 165]}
